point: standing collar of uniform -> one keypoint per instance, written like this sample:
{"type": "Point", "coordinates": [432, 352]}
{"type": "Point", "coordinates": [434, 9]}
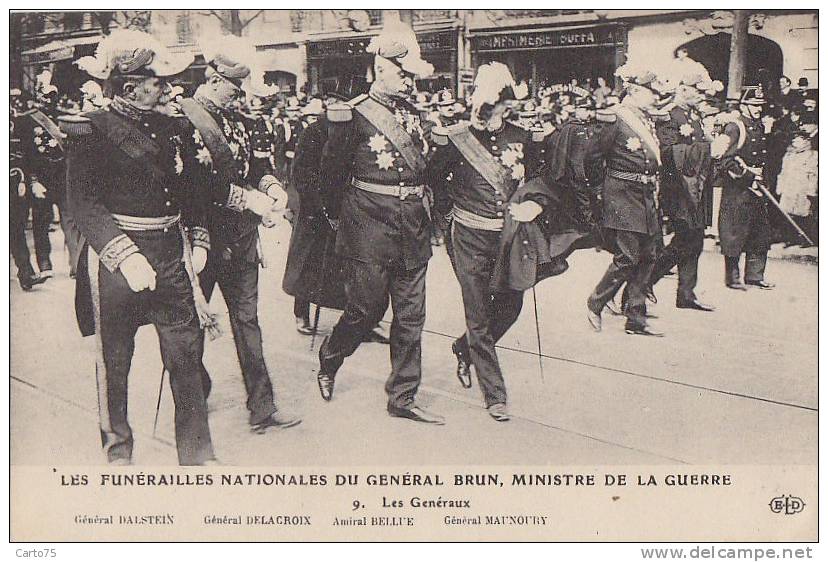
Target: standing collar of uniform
{"type": "Point", "coordinates": [381, 98]}
{"type": "Point", "coordinates": [208, 104]}
{"type": "Point", "coordinates": [126, 109]}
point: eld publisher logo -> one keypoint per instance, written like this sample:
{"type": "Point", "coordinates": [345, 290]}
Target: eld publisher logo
{"type": "Point", "coordinates": [788, 505]}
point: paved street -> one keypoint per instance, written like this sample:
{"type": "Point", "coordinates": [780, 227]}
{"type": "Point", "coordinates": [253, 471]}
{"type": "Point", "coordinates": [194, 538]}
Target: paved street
{"type": "Point", "coordinates": [738, 386]}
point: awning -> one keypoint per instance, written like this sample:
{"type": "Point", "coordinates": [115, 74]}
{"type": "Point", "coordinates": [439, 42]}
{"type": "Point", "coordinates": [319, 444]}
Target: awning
{"type": "Point", "coordinates": [59, 49]}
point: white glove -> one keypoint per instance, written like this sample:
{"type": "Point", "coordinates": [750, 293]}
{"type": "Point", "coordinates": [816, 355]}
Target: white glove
{"type": "Point", "coordinates": [199, 259]}
{"type": "Point", "coordinates": [525, 212]}
{"type": "Point", "coordinates": [138, 273]}
{"type": "Point", "coordinates": [21, 189]}
{"type": "Point", "coordinates": [276, 191]}
{"type": "Point", "coordinates": [38, 190]}
{"type": "Point", "coordinates": [257, 202]}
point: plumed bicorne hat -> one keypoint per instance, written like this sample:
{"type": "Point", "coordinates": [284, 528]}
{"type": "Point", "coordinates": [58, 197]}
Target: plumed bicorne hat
{"type": "Point", "coordinates": [129, 52]}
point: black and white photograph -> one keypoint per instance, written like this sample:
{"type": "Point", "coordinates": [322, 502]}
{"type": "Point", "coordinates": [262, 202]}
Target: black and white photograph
{"type": "Point", "coordinates": [413, 275]}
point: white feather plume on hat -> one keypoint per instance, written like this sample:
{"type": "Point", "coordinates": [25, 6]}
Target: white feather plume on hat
{"type": "Point", "coordinates": [398, 43]}
{"type": "Point", "coordinates": [128, 50]}
{"type": "Point", "coordinates": [491, 80]}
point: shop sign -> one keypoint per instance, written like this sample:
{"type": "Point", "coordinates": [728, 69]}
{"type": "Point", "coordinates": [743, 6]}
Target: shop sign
{"type": "Point", "coordinates": [52, 55]}
{"type": "Point", "coordinates": [429, 43]}
{"type": "Point", "coordinates": [550, 39]}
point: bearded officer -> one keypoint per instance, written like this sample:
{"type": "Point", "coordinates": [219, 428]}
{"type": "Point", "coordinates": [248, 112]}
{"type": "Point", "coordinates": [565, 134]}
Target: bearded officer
{"type": "Point", "coordinates": [132, 203]}
{"type": "Point", "coordinates": [630, 150]}
{"type": "Point", "coordinates": [221, 156]}
{"type": "Point", "coordinates": [686, 191]}
{"type": "Point", "coordinates": [488, 160]}
{"type": "Point", "coordinates": [376, 150]}
{"type": "Point", "coordinates": [743, 214]}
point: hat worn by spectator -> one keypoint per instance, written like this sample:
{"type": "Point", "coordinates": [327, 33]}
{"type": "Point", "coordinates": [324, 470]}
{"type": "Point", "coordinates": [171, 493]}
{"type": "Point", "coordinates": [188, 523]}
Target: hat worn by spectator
{"type": "Point", "coordinates": [398, 44]}
{"type": "Point", "coordinates": [128, 52]}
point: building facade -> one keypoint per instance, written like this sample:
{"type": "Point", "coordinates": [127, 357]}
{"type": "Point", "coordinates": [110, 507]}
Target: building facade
{"type": "Point", "coordinates": [321, 51]}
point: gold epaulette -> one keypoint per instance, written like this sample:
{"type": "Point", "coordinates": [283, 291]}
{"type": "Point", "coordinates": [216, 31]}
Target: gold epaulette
{"type": "Point", "coordinates": [75, 125]}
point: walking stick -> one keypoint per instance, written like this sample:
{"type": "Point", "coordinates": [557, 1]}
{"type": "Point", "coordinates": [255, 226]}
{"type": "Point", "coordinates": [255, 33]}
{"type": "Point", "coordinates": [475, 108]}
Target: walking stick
{"type": "Point", "coordinates": [761, 187]}
{"type": "Point", "coordinates": [158, 403]}
{"type": "Point", "coordinates": [537, 330]}
{"type": "Point", "coordinates": [779, 208]}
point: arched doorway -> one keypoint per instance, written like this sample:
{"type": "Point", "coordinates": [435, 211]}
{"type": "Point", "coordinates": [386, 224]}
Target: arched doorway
{"type": "Point", "coordinates": [713, 51]}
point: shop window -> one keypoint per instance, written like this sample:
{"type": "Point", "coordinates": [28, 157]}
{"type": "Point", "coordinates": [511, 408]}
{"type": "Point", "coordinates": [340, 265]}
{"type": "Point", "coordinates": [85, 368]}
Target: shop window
{"type": "Point", "coordinates": [72, 21]}
{"type": "Point", "coordinates": [375, 16]}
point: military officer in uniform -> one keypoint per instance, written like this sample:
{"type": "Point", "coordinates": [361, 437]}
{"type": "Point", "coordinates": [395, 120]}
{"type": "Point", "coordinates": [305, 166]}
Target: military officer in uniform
{"type": "Point", "coordinates": [42, 151]}
{"type": "Point", "coordinates": [686, 192]}
{"type": "Point", "coordinates": [629, 148]}
{"type": "Point", "coordinates": [221, 156]}
{"type": "Point", "coordinates": [376, 150]}
{"type": "Point", "coordinates": [132, 203]}
{"type": "Point", "coordinates": [743, 214]}
{"type": "Point", "coordinates": [488, 160]}
{"type": "Point", "coordinates": [18, 200]}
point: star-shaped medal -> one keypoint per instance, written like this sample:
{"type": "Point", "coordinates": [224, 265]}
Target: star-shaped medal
{"type": "Point", "coordinates": [377, 143]}
{"type": "Point", "coordinates": [686, 130]}
{"type": "Point", "coordinates": [633, 144]}
{"type": "Point", "coordinates": [385, 161]}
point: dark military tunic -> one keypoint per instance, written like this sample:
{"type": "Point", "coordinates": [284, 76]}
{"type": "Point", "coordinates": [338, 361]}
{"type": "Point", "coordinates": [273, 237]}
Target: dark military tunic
{"type": "Point", "coordinates": [44, 164]}
{"type": "Point", "coordinates": [233, 260]}
{"type": "Point", "coordinates": [694, 209]}
{"type": "Point", "coordinates": [628, 205]}
{"type": "Point", "coordinates": [311, 257]}
{"type": "Point", "coordinates": [743, 214]}
{"type": "Point", "coordinates": [384, 239]}
{"type": "Point", "coordinates": [489, 311]}
{"type": "Point", "coordinates": [631, 153]}
{"type": "Point", "coordinates": [131, 166]}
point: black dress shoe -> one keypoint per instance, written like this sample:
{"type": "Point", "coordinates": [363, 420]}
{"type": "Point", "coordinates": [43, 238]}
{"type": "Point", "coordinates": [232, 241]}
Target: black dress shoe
{"type": "Point", "coordinates": [761, 284]}
{"type": "Point", "coordinates": [695, 305]}
{"type": "Point", "coordinates": [613, 308]}
{"type": "Point", "coordinates": [737, 286]}
{"type": "Point", "coordinates": [276, 419]}
{"type": "Point", "coordinates": [375, 336]}
{"type": "Point", "coordinates": [642, 331]}
{"type": "Point", "coordinates": [303, 326]}
{"type": "Point", "coordinates": [415, 413]}
{"type": "Point", "coordinates": [27, 282]}
{"type": "Point", "coordinates": [463, 367]}
{"type": "Point", "coordinates": [326, 385]}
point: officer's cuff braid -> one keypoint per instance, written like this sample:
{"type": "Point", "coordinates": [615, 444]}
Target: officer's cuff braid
{"type": "Point", "coordinates": [200, 237]}
{"type": "Point", "coordinates": [116, 251]}
{"type": "Point", "coordinates": [236, 199]}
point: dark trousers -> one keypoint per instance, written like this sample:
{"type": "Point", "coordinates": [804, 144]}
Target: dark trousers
{"type": "Point", "coordinates": [683, 250]}
{"type": "Point", "coordinates": [239, 284]}
{"type": "Point", "coordinates": [488, 315]}
{"type": "Point", "coordinates": [301, 308]}
{"type": "Point", "coordinates": [632, 263]}
{"type": "Point", "coordinates": [368, 287]}
{"type": "Point", "coordinates": [755, 263]}
{"type": "Point", "coordinates": [171, 310]}
{"type": "Point", "coordinates": [71, 233]}
{"type": "Point", "coordinates": [42, 216]}
{"type": "Point", "coordinates": [19, 248]}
